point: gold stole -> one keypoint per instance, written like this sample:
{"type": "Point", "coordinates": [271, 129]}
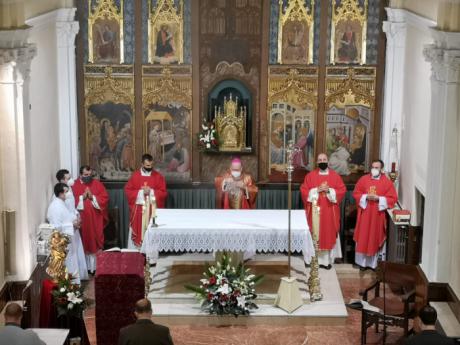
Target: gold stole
{"type": "Point", "coordinates": [148, 212]}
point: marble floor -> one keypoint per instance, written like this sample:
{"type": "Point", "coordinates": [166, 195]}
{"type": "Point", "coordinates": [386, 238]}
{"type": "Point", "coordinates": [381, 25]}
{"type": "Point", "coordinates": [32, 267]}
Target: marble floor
{"type": "Point", "coordinates": [349, 282]}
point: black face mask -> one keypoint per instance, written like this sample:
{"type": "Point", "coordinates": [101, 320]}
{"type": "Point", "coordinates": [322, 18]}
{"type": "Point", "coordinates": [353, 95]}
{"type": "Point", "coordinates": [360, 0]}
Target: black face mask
{"type": "Point", "coordinates": [147, 169]}
{"type": "Point", "coordinates": [322, 165]}
{"type": "Point", "coordinates": [86, 179]}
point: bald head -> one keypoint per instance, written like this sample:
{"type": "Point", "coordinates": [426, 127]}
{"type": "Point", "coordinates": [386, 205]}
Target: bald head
{"type": "Point", "coordinates": [13, 313]}
{"type": "Point", "coordinates": [322, 161]}
{"type": "Point", "coordinates": [143, 309]}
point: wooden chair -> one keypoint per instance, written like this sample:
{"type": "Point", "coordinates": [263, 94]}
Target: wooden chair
{"type": "Point", "coordinates": [406, 292]}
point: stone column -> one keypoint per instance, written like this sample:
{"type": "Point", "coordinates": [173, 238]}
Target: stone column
{"type": "Point", "coordinates": [395, 29]}
{"type": "Point", "coordinates": [62, 22]}
{"type": "Point", "coordinates": [15, 58]}
{"type": "Point", "coordinates": [443, 156]}
{"type": "Point", "coordinates": [66, 30]}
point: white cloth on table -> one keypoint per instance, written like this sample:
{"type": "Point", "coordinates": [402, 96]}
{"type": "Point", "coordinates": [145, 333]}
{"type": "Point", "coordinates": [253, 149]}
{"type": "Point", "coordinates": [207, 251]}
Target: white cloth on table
{"type": "Point", "coordinates": [61, 218]}
{"type": "Point", "coordinates": [232, 230]}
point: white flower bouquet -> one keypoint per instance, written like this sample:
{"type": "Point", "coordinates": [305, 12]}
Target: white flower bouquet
{"type": "Point", "coordinates": [69, 298]}
{"type": "Point", "coordinates": [226, 289]}
{"type": "Point", "coordinates": [207, 138]}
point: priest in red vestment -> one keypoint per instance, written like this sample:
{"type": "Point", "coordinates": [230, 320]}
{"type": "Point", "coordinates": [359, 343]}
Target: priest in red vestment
{"type": "Point", "coordinates": [326, 187]}
{"type": "Point", "coordinates": [374, 193]}
{"type": "Point", "coordinates": [145, 191]}
{"type": "Point", "coordinates": [235, 188]}
{"type": "Point", "coordinates": [91, 200]}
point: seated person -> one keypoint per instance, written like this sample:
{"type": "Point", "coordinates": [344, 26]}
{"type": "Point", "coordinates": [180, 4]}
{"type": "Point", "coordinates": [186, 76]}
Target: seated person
{"type": "Point", "coordinates": [235, 189]}
{"type": "Point", "coordinates": [426, 326]}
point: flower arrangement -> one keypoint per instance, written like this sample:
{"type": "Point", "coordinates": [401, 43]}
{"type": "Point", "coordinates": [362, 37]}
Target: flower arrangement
{"type": "Point", "coordinates": [68, 297]}
{"type": "Point", "coordinates": [226, 289]}
{"type": "Point", "coordinates": [207, 138]}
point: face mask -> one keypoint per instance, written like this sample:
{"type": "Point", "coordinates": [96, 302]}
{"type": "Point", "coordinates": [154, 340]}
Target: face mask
{"type": "Point", "coordinates": [68, 194]}
{"type": "Point", "coordinates": [375, 172]}
{"type": "Point", "coordinates": [147, 169]}
{"type": "Point", "coordinates": [70, 182]}
{"type": "Point", "coordinates": [323, 165]}
{"type": "Point", "coordinates": [236, 174]}
{"type": "Point", "coordinates": [86, 179]}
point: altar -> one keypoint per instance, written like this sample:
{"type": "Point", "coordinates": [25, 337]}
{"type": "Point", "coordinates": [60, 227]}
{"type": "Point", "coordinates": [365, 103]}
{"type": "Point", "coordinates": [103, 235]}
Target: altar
{"type": "Point", "coordinates": [249, 231]}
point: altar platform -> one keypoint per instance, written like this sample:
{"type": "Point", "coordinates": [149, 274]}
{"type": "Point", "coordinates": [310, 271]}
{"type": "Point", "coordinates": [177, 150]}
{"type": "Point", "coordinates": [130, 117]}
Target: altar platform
{"type": "Point", "coordinates": [174, 305]}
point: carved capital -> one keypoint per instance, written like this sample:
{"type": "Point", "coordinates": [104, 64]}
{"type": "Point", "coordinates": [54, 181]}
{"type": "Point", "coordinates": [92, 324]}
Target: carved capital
{"type": "Point", "coordinates": [445, 63]}
{"type": "Point", "coordinates": [20, 55]}
{"type": "Point", "coordinates": [66, 32]}
{"type": "Point", "coordinates": [396, 33]}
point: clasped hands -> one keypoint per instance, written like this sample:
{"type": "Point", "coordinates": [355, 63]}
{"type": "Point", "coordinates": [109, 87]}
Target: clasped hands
{"type": "Point", "coordinates": [77, 223]}
{"type": "Point", "coordinates": [323, 188]}
{"type": "Point", "coordinates": [372, 197]}
{"type": "Point", "coordinates": [87, 194]}
{"type": "Point", "coordinates": [146, 190]}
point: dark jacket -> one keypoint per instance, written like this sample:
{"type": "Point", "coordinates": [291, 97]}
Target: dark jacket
{"type": "Point", "coordinates": [429, 338]}
{"type": "Point", "coordinates": [145, 332]}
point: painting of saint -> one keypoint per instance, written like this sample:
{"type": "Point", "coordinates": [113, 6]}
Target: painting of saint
{"type": "Point", "coordinates": [346, 139]}
{"type": "Point", "coordinates": [110, 139]}
{"type": "Point", "coordinates": [348, 42]}
{"type": "Point", "coordinates": [295, 43]}
{"type": "Point", "coordinates": [165, 44]}
{"type": "Point", "coordinates": [106, 41]}
{"type": "Point", "coordinates": [167, 138]}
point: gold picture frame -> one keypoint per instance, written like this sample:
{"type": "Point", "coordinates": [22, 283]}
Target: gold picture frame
{"type": "Point", "coordinates": [348, 32]}
{"type": "Point", "coordinates": [105, 33]}
{"type": "Point", "coordinates": [166, 32]}
{"type": "Point", "coordinates": [295, 33]}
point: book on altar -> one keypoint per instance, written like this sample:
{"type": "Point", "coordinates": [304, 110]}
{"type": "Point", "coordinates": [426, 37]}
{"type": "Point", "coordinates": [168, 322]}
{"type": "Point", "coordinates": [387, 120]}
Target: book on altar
{"type": "Point", "coordinates": [360, 304]}
{"type": "Point", "coordinates": [122, 250]}
{"type": "Point", "coordinates": [401, 215]}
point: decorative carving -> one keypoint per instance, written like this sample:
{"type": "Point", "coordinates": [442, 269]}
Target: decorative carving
{"type": "Point", "coordinates": [166, 32]}
{"type": "Point", "coordinates": [106, 21]}
{"type": "Point", "coordinates": [58, 252]}
{"type": "Point", "coordinates": [348, 32]}
{"type": "Point", "coordinates": [445, 63]}
{"type": "Point", "coordinates": [295, 33]}
{"type": "Point", "coordinates": [231, 125]}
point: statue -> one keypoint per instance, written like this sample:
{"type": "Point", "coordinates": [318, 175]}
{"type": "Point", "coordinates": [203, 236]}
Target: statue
{"type": "Point", "coordinates": [58, 248]}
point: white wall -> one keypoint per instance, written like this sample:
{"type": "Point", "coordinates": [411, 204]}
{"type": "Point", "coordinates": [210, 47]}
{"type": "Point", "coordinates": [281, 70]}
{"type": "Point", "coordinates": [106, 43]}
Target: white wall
{"type": "Point", "coordinates": [415, 118]}
{"type": "Point", "coordinates": [42, 139]}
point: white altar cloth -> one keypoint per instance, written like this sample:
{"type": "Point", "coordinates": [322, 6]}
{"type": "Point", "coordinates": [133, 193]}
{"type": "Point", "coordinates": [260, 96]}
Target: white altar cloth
{"type": "Point", "coordinates": [191, 230]}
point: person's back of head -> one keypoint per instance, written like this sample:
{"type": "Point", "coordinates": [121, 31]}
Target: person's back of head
{"type": "Point", "coordinates": [428, 316]}
{"type": "Point", "coordinates": [143, 309]}
{"type": "Point", "coordinates": [13, 314]}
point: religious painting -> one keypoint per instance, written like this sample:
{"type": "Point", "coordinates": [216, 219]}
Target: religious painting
{"type": "Point", "coordinates": [292, 119]}
{"type": "Point", "coordinates": [348, 34]}
{"type": "Point", "coordinates": [110, 135]}
{"type": "Point", "coordinates": [105, 32]}
{"type": "Point", "coordinates": [167, 139]}
{"type": "Point", "coordinates": [347, 138]}
{"type": "Point", "coordinates": [106, 41]}
{"type": "Point", "coordinates": [166, 32]}
{"type": "Point", "coordinates": [295, 33]}
{"type": "Point", "coordinates": [109, 122]}
{"type": "Point", "coordinates": [167, 116]}
{"type": "Point", "coordinates": [291, 124]}
{"type": "Point", "coordinates": [350, 99]}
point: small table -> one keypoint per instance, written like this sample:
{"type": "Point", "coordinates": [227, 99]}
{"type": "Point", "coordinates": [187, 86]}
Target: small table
{"type": "Point", "coordinates": [188, 230]}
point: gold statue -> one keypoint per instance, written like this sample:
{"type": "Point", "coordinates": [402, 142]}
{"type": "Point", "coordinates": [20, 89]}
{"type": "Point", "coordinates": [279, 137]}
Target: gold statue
{"type": "Point", "coordinates": [231, 125]}
{"type": "Point", "coordinates": [58, 247]}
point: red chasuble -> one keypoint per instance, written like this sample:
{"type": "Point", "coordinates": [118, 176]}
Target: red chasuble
{"type": "Point", "coordinates": [157, 183]}
{"type": "Point", "coordinates": [93, 220]}
{"type": "Point", "coordinates": [370, 231]}
{"type": "Point", "coordinates": [225, 201]}
{"type": "Point", "coordinates": [329, 211]}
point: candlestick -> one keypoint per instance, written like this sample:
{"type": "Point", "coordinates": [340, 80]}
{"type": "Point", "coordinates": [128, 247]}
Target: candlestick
{"type": "Point", "coordinates": [393, 167]}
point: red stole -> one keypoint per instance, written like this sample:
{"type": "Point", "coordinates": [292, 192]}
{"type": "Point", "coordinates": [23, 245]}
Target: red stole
{"type": "Point", "coordinates": [93, 220]}
{"type": "Point", "coordinates": [370, 231]}
{"type": "Point", "coordinates": [329, 212]}
{"type": "Point", "coordinates": [156, 182]}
